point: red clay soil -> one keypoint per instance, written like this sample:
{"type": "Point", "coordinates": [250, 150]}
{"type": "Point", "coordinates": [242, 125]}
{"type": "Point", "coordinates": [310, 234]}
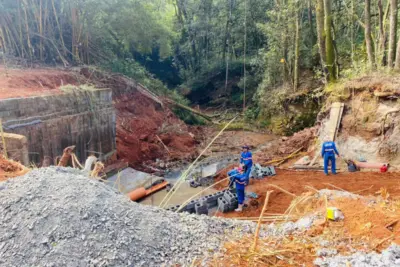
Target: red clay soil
{"type": "Point", "coordinates": [10, 169]}
{"type": "Point", "coordinates": [363, 183]}
{"type": "Point", "coordinates": [33, 82]}
{"type": "Point", "coordinates": [287, 145]}
{"type": "Point", "coordinates": [139, 121]}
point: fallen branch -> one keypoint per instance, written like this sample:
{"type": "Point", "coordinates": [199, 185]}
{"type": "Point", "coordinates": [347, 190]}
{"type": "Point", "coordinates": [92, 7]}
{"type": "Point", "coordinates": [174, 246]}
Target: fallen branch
{"type": "Point", "coordinates": [283, 190]}
{"type": "Point", "coordinates": [190, 110]}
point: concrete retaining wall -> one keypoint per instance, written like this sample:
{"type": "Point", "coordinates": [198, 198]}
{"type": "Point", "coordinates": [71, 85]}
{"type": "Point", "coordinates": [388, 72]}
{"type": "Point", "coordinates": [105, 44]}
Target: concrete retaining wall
{"type": "Point", "coordinates": [51, 123]}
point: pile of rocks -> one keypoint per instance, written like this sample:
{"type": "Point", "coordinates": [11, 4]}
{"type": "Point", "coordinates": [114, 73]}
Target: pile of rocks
{"type": "Point", "coordinates": [58, 217]}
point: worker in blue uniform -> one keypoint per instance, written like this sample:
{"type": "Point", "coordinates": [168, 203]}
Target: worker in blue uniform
{"type": "Point", "coordinates": [246, 159]}
{"type": "Point", "coordinates": [232, 176]}
{"type": "Point", "coordinates": [328, 153]}
{"type": "Point", "coordinates": [241, 182]}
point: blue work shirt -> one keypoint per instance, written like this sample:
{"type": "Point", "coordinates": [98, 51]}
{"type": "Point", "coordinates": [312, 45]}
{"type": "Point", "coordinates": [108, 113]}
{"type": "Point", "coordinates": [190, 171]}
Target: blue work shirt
{"type": "Point", "coordinates": [232, 175]}
{"type": "Point", "coordinates": [246, 158]}
{"type": "Point", "coordinates": [241, 178]}
{"type": "Point", "coordinates": [329, 148]}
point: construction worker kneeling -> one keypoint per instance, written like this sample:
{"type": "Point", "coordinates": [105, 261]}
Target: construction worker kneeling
{"type": "Point", "coordinates": [241, 181]}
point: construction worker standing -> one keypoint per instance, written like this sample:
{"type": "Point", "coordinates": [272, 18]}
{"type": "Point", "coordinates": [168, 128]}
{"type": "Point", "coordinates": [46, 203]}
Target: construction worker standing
{"type": "Point", "coordinates": [328, 153]}
{"type": "Point", "coordinates": [246, 159]}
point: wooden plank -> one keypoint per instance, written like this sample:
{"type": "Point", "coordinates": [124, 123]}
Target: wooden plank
{"type": "Point", "coordinates": [333, 125]}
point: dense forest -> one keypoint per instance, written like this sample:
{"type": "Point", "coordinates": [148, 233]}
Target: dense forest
{"type": "Point", "coordinates": [250, 54]}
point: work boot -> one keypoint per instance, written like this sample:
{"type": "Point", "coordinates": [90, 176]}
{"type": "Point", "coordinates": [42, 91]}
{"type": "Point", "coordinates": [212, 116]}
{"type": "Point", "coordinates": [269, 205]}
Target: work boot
{"type": "Point", "coordinates": [240, 208]}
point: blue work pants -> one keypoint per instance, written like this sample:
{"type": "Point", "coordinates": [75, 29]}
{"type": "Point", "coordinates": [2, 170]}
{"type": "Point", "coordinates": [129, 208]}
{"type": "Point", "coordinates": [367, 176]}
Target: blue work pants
{"type": "Point", "coordinates": [329, 157]}
{"type": "Point", "coordinates": [240, 195]}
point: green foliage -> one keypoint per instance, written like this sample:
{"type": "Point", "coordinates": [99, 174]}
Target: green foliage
{"type": "Point", "coordinates": [133, 69]}
{"type": "Point", "coordinates": [188, 117]}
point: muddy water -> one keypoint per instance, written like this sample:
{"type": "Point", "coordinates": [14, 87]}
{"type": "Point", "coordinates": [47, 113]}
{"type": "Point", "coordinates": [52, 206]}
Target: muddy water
{"type": "Point", "coordinates": [130, 179]}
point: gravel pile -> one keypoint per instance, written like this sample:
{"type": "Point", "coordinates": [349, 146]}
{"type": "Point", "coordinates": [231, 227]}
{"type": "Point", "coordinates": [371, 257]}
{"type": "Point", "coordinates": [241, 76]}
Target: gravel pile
{"type": "Point", "coordinates": [58, 217]}
{"type": "Point", "coordinates": [388, 258]}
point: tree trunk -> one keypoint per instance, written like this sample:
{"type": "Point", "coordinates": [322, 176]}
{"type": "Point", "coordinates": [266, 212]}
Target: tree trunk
{"type": "Point", "coordinates": [41, 30]}
{"type": "Point", "coordinates": [381, 46]}
{"type": "Point", "coordinates": [227, 44]}
{"type": "Point", "coordinates": [368, 38]}
{"type": "Point", "coordinates": [310, 22]}
{"type": "Point", "coordinates": [352, 33]}
{"type": "Point", "coordinates": [330, 50]}
{"type": "Point", "coordinates": [392, 32]}
{"type": "Point", "coordinates": [320, 14]}
{"type": "Point", "coordinates": [397, 64]}
{"type": "Point", "coordinates": [297, 52]}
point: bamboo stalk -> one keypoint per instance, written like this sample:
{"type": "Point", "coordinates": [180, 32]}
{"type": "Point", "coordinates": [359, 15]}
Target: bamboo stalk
{"type": "Point", "coordinates": [168, 197]}
{"type": "Point", "coordinates": [283, 190]}
{"type": "Point", "coordinates": [311, 188]}
{"type": "Point", "coordinates": [3, 139]}
{"type": "Point", "coordinates": [334, 186]}
{"type": "Point", "coordinates": [27, 29]}
{"type": "Point", "coordinates": [21, 41]}
{"type": "Point", "coordinates": [257, 233]}
{"type": "Point", "coordinates": [166, 148]}
{"type": "Point", "coordinates": [294, 154]}
{"type": "Point", "coordinates": [59, 27]}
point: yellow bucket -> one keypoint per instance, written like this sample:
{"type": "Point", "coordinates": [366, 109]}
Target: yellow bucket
{"type": "Point", "coordinates": [332, 213]}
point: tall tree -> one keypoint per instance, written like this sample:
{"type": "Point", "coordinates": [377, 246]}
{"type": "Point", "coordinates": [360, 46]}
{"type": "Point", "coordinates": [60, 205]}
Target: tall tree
{"type": "Point", "coordinates": [382, 39]}
{"type": "Point", "coordinates": [392, 32]}
{"type": "Point", "coordinates": [368, 37]}
{"type": "Point", "coordinates": [330, 49]}
{"type": "Point", "coordinates": [320, 14]}
{"type": "Point", "coordinates": [297, 50]}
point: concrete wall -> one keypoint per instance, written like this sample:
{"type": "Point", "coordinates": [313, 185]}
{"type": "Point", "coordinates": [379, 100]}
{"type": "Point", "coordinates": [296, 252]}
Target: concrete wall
{"type": "Point", "coordinates": [51, 123]}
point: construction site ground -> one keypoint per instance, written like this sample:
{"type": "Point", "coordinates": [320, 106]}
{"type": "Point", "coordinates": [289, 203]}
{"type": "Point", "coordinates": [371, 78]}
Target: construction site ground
{"type": "Point", "coordinates": [296, 182]}
{"type": "Point", "coordinates": [151, 137]}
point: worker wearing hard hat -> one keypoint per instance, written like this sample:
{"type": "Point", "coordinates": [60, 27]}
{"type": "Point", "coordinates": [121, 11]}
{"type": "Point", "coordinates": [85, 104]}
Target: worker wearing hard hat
{"type": "Point", "coordinates": [328, 153]}
{"type": "Point", "coordinates": [246, 158]}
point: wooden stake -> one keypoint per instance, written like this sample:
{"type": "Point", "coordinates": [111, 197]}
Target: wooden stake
{"type": "Point", "coordinates": [257, 233]}
{"type": "Point", "coordinates": [166, 148]}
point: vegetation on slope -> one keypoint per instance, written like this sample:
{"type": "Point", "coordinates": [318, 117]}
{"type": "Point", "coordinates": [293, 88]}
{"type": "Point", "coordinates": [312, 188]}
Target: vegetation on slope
{"type": "Point", "coordinates": [224, 53]}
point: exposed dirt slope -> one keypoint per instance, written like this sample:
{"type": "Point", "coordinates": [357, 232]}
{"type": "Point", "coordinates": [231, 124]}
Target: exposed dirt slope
{"type": "Point", "coordinates": [141, 119]}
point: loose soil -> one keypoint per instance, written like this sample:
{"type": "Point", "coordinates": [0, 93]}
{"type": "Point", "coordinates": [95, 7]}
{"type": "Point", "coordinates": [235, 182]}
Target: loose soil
{"type": "Point", "coordinates": [363, 183]}
{"type": "Point", "coordinates": [9, 169]}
